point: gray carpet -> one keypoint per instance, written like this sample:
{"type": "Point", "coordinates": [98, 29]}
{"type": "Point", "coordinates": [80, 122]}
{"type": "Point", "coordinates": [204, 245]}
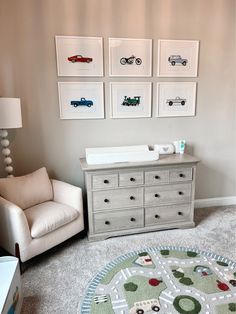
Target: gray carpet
{"type": "Point", "coordinates": [55, 281]}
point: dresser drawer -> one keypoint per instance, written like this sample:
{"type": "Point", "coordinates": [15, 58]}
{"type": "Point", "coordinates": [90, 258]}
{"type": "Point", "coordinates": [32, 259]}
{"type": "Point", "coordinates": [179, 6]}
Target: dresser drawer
{"type": "Point", "coordinates": [157, 177]}
{"type": "Point", "coordinates": [119, 220]}
{"type": "Point", "coordinates": [117, 198]}
{"type": "Point", "coordinates": [167, 214]}
{"type": "Point", "coordinates": [131, 178]}
{"type": "Point", "coordinates": [104, 181]}
{"type": "Point", "coordinates": [181, 174]}
{"type": "Point", "coordinates": [174, 193]}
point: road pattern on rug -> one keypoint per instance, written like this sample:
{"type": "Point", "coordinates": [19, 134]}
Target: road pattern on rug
{"type": "Point", "coordinates": [166, 280]}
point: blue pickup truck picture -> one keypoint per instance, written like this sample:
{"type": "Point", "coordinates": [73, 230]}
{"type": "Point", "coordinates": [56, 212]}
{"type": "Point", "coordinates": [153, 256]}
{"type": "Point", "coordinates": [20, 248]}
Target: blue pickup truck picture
{"type": "Point", "coordinates": [177, 59]}
{"type": "Point", "coordinates": [81, 102]}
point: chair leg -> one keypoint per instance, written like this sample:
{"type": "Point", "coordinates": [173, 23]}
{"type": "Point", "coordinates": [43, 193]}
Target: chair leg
{"type": "Point", "coordinates": [17, 254]}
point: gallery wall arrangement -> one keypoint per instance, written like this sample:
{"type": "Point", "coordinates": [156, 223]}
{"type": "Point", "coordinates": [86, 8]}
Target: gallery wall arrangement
{"type": "Point", "coordinates": [128, 57]}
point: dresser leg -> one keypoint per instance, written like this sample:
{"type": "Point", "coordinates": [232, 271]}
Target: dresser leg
{"type": "Point", "coordinates": [188, 225]}
{"type": "Point", "coordinates": [93, 237]}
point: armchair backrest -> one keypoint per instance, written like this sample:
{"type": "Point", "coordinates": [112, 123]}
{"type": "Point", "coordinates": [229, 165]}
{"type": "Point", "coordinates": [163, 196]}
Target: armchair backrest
{"type": "Point", "coordinates": [28, 190]}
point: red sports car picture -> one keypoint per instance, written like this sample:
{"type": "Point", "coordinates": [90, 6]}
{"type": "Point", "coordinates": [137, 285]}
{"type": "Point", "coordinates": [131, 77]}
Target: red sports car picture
{"type": "Point", "coordinates": [79, 58]}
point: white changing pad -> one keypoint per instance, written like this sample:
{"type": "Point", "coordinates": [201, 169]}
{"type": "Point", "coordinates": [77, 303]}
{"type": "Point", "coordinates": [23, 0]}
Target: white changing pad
{"type": "Point", "coordinates": [108, 155]}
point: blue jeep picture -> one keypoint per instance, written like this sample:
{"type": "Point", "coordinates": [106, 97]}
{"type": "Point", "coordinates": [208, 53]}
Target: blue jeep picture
{"type": "Point", "coordinates": [81, 102]}
{"type": "Point", "coordinates": [177, 59]}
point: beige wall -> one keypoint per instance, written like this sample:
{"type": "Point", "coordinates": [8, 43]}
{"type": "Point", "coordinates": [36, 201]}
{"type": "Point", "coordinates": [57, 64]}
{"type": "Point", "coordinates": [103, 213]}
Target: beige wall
{"type": "Point", "coordinates": [28, 71]}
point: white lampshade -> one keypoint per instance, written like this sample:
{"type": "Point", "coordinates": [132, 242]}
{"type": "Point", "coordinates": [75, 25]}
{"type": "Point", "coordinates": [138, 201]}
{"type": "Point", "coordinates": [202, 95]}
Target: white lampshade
{"type": "Point", "coordinates": [10, 113]}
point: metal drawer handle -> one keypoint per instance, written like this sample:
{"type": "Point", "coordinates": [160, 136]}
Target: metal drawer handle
{"type": "Point", "coordinates": [132, 219]}
{"type": "Point", "coordinates": [132, 198]}
{"type": "Point", "coordinates": [106, 200]}
{"type": "Point", "coordinates": [180, 213]}
{"type": "Point", "coordinates": [157, 195]}
{"type": "Point", "coordinates": [181, 193]}
{"type": "Point", "coordinates": [107, 222]}
{"type": "Point", "coordinates": [157, 177]}
{"type": "Point", "coordinates": [181, 175]}
{"type": "Point", "coordinates": [132, 179]}
{"type": "Point", "coordinates": [106, 181]}
{"type": "Point", "coordinates": [157, 216]}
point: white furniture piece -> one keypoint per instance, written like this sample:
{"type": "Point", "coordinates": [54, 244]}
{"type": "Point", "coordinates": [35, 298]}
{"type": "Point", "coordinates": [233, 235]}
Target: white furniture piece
{"type": "Point", "coordinates": [127, 198]}
{"type": "Point", "coordinates": [106, 155]}
{"type": "Point", "coordinates": [10, 118]}
{"type": "Point", "coordinates": [10, 292]}
{"type": "Point", "coordinates": [37, 213]}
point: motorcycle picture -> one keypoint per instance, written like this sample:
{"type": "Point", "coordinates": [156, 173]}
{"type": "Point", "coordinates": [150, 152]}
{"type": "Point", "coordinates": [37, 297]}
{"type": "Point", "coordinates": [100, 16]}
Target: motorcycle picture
{"type": "Point", "coordinates": [131, 60]}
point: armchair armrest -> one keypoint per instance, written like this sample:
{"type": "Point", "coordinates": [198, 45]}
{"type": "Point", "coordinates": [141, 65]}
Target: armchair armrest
{"type": "Point", "coordinates": [67, 194]}
{"type": "Point", "coordinates": [14, 227]}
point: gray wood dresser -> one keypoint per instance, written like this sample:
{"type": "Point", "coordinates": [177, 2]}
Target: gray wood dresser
{"type": "Point", "coordinates": [125, 198]}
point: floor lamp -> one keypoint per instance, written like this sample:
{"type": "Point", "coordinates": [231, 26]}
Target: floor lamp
{"type": "Point", "coordinates": [10, 118]}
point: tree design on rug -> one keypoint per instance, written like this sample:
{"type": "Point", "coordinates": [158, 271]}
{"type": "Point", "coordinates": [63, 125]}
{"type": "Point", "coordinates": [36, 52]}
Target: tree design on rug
{"type": "Point", "coordinates": [222, 263]}
{"type": "Point", "coordinates": [191, 254]}
{"type": "Point", "coordinates": [186, 281]}
{"type": "Point", "coordinates": [130, 286]}
{"type": "Point", "coordinates": [232, 307]}
{"type": "Point", "coordinates": [178, 273]}
{"type": "Point", "coordinates": [165, 252]}
{"type": "Point", "coordinates": [178, 254]}
{"type": "Point", "coordinates": [186, 304]}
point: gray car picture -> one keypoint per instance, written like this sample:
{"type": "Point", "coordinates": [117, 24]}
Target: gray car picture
{"type": "Point", "coordinates": [177, 60]}
{"type": "Point", "coordinates": [176, 101]}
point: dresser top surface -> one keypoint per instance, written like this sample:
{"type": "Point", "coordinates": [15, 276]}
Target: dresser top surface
{"type": "Point", "coordinates": [164, 160]}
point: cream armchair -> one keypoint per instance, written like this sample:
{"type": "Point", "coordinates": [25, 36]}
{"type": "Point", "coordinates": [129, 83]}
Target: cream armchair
{"type": "Point", "coordinates": [37, 213]}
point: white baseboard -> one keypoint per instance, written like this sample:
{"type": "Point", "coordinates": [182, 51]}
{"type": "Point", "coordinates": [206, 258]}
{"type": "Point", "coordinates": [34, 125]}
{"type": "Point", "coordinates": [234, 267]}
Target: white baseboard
{"type": "Point", "coordinates": [217, 201]}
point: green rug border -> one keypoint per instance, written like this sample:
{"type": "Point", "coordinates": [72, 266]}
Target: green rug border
{"type": "Point", "coordinates": [90, 290]}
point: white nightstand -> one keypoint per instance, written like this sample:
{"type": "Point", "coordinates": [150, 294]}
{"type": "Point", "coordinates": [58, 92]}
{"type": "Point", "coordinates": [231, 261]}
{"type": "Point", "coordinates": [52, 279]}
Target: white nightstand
{"type": "Point", "coordinates": [10, 286]}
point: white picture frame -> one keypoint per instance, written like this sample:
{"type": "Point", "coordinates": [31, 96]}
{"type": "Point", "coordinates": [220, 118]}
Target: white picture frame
{"type": "Point", "coordinates": [79, 56]}
{"type": "Point", "coordinates": [130, 99]}
{"type": "Point", "coordinates": [81, 100]}
{"type": "Point", "coordinates": [130, 57]}
{"type": "Point", "coordinates": [177, 58]}
{"type": "Point", "coordinates": [176, 99]}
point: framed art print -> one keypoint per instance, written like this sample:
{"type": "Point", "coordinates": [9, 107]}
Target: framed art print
{"type": "Point", "coordinates": [79, 56]}
{"type": "Point", "coordinates": [130, 99]}
{"type": "Point", "coordinates": [130, 57]}
{"type": "Point", "coordinates": [176, 99]}
{"type": "Point", "coordinates": [79, 100]}
{"type": "Point", "coordinates": [177, 58]}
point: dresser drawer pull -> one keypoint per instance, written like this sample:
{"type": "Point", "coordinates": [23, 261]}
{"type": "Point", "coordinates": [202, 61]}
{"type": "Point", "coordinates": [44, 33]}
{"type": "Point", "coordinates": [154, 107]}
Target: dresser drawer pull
{"type": "Point", "coordinates": [157, 177]}
{"type": "Point", "coordinates": [106, 181]}
{"type": "Point", "coordinates": [181, 175]}
{"type": "Point", "coordinates": [157, 195]}
{"type": "Point", "coordinates": [132, 198]}
{"type": "Point", "coordinates": [107, 222]}
{"type": "Point", "coordinates": [106, 200]}
{"type": "Point", "coordinates": [132, 179]}
{"type": "Point", "coordinates": [157, 216]}
{"type": "Point", "coordinates": [181, 193]}
{"type": "Point", "coordinates": [132, 219]}
{"type": "Point", "coordinates": [180, 213]}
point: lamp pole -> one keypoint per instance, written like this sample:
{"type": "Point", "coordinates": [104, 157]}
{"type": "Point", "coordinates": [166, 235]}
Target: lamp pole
{"type": "Point", "coordinates": [6, 152]}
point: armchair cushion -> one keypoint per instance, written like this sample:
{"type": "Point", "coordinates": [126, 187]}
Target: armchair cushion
{"type": "Point", "coordinates": [29, 190]}
{"type": "Point", "coordinates": [49, 216]}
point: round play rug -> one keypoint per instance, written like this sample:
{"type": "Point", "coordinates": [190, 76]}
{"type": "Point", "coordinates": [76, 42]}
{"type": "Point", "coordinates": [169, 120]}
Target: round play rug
{"type": "Point", "coordinates": [166, 280]}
